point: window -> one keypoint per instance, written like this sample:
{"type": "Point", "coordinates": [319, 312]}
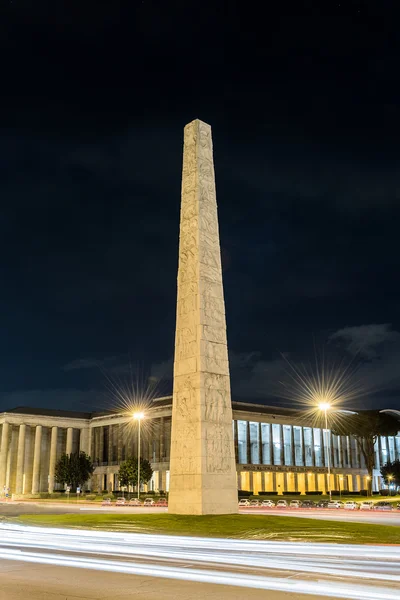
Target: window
{"type": "Point", "coordinates": [276, 439]}
{"type": "Point", "coordinates": [242, 442]}
{"type": "Point", "coordinates": [287, 442]}
{"type": "Point", "coordinates": [385, 454]}
{"type": "Point", "coordinates": [266, 443]}
{"type": "Point", "coordinates": [254, 444]}
{"type": "Point", "coordinates": [317, 447]}
{"type": "Point", "coordinates": [391, 448]}
{"type": "Point", "coordinates": [308, 446]}
{"type": "Point", "coordinates": [297, 446]}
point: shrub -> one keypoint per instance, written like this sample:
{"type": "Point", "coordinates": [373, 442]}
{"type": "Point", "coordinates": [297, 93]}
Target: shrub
{"type": "Point", "coordinates": [273, 493]}
{"type": "Point", "coordinates": [384, 492]}
{"type": "Point", "coordinates": [151, 493]}
{"type": "Point", "coordinates": [161, 492]}
{"type": "Point", "coordinates": [291, 493]}
{"type": "Point", "coordinates": [91, 497]}
{"type": "Point", "coordinates": [363, 492]}
{"type": "Point", "coordinates": [243, 493]}
{"type": "Point", "coordinates": [314, 493]}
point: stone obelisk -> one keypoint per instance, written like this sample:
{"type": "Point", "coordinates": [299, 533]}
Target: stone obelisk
{"type": "Point", "coordinates": [203, 469]}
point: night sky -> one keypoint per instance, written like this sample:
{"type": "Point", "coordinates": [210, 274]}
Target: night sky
{"type": "Point", "coordinates": [303, 100]}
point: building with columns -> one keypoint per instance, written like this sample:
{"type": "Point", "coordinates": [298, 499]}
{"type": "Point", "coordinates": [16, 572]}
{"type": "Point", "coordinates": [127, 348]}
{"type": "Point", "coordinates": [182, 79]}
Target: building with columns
{"type": "Point", "coordinates": [276, 449]}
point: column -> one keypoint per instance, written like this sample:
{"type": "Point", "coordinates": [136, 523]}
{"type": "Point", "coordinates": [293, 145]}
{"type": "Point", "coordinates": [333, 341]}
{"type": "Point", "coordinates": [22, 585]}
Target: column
{"type": "Point", "coordinates": [313, 461]}
{"type": "Point", "coordinates": [323, 447]}
{"type": "Point", "coordinates": [282, 444]}
{"type": "Point", "coordinates": [292, 446]}
{"type": "Point", "coordinates": [36, 459]}
{"type": "Point", "coordinates": [331, 447]}
{"type": "Point", "coordinates": [119, 445]}
{"type": "Point", "coordinates": [101, 444]}
{"type": "Point", "coordinates": [110, 445]}
{"type": "Point", "coordinates": [349, 454]}
{"type": "Point", "coordinates": [84, 445]}
{"type": "Point", "coordinates": [236, 440]}
{"type": "Point", "coordinates": [20, 459]}
{"type": "Point", "coordinates": [162, 440]}
{"type": "Point", "coordinates": [303, 448]}
{"type": "Point", "coordinates": [343, 451]}
{"type": "Point", "coordinates": [248, 443]}
{"type": "Point", "coordinates": [70, 437]}
{"type": "Point", "coordinates": [270, 445]}
{"type": "Point", "coordinates": [53, 456]}
{"type": "Point", "coordinates": [260, 453]}
{"type": "Point", "coordinates": [3, 455]}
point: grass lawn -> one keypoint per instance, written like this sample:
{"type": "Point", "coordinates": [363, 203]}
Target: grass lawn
{"type": "Point", "coordinates": [255, 527]}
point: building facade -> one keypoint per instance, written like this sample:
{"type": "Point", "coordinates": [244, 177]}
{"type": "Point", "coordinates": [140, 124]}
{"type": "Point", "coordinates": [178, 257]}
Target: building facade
{"type": "Point", "coordinates": [276, 449]}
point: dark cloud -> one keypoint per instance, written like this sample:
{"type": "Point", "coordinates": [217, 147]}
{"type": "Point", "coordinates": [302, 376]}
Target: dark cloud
{"type": "Point", "coordinates": [368, 340]}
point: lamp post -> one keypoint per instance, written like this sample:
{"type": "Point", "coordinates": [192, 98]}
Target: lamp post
{"type": "Point", "coordinates": [325, 406]}
{"type": "Point", "coordinates": [390, 479]}
{"type": "Point", "coordinates": [340, 486]}
{"type": "Point", "coordinates": [138, 416]}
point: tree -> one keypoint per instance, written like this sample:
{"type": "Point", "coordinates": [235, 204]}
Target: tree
{"type": "Point", "coordinates": [366, 427]}
{"type": "Point", "coordinates": [74, 469]}
{"type": "Point", "coordinates": [128, 472]}
{"type": "Point", "coordinates": [391, 472]}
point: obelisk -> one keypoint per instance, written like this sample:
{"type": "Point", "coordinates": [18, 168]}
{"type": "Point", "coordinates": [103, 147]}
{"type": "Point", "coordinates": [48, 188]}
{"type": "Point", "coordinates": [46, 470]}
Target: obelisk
{"type": "Point", "coordinates": [203, 470]}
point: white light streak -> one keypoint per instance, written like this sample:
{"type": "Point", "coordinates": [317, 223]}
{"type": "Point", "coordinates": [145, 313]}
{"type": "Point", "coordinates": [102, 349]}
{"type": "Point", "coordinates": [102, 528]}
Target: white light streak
{"type": "Point", "coordinates": [375, 565]}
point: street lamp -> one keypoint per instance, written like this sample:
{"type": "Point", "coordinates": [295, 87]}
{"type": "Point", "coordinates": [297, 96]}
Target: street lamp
{"type": "Point", "coordinates": [325, 406]}
{"type": "Point", "coordinates": [138, 416]}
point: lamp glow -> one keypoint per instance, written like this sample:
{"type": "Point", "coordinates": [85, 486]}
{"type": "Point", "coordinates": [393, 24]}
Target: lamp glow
{"type": "Point", "coordinates": [138, 416]}
{"type": "Point", "coordinates": [324, 406]}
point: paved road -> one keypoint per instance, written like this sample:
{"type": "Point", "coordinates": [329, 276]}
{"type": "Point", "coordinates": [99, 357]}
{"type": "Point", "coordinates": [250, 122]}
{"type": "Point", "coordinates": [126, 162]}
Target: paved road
{"type": "Point", "coordinates": [14, 509]}
{"type": "Point", "coordinates": [53, 564]}
{"type": "Point", "coordinates": [20, 581]}
{"type": "Point", "coordinates": [356, 516]}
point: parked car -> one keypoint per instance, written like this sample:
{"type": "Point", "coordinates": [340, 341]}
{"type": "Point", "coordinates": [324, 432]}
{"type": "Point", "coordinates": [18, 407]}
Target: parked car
{"type": "Point", "coordinates": [308, 504]}
{"type": "Point", "coordinates": [335, 504]}
{"type": "Point", "coordinates": [120, 502]}
{"type": "Point", "coordinates": [398, 506]}
{"type": "Point", "coordinates": [134, 502]}
{"type": "Point", "coordinates": [350, 505]}
{"type": "Point", "coordinates": [281, 504]}
{"type": "Point", "coordinates": [323, 504]}
{"type": "Point", "coordinates": [254, 503]}
{"type": "Point", "coordinates": [162, 502]}
{"type": "Point", "coordinates": [148, 502]}
{"type": "Point", "coordinates": [382, 505]}
{"type": "Point", "coordinates": [366, 505]}
{"type": "Point", "coordinates": [244, 502]}
{"type": "Point", "coordinates": [268, 503]}
{"type": "Point", "coordinates": [295, 504]}
{"type": "Point", "coordinates": [106, 502]}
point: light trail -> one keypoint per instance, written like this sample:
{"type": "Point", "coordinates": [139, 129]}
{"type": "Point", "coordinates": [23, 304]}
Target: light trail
{"type": "Point", "coordinates": [241, 563]}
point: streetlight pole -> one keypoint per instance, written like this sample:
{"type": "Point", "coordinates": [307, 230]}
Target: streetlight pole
{"type": "Point", "coordinates": [138, 417]}
{"type": "Point", "coordinates": [325, 406]}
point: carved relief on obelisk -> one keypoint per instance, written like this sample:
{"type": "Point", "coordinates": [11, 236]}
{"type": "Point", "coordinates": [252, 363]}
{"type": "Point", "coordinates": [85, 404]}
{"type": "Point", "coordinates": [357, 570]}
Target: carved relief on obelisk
{"type": "Point", "coordinates": [203, 470]}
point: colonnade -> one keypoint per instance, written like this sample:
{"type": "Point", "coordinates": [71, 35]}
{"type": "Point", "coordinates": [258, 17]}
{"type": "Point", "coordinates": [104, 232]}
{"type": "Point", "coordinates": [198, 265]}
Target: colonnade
{"type": "Point", "coordinates": [29, 454]}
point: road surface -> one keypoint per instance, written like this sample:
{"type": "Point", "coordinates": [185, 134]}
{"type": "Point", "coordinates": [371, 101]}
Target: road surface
{"type": "Point", "coordinates": [356, 516]}
{"type": "Point", "coordinates": [55, 563]}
